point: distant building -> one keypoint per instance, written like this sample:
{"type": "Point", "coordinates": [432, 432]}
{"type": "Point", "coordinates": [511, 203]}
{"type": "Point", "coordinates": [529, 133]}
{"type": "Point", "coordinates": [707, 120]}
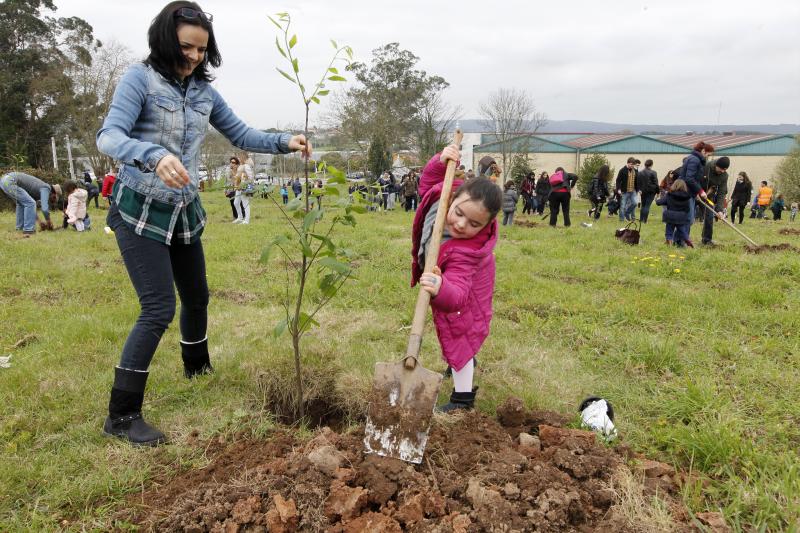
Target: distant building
{"type": "Point", "coordinates": [756, 154]}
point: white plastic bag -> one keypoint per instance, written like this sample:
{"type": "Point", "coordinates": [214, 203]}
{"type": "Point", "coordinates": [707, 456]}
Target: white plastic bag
{"type": "Point", "coordinates": [597, 415]}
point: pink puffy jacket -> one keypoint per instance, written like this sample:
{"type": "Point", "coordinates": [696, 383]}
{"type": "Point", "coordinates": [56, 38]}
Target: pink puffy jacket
{"type": "Point", "coordinates": [462, 311]}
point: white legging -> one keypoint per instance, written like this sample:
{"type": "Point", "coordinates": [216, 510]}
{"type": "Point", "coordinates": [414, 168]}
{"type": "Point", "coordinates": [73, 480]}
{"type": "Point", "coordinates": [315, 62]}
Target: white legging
{"type": "Point", "coordinates": [242, 204]}
{"type": "Point", "coordinates": [462, 379]}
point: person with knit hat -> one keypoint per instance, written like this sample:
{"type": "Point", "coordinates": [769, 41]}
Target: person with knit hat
{"type": "Point", "coordinates": [715, 183]}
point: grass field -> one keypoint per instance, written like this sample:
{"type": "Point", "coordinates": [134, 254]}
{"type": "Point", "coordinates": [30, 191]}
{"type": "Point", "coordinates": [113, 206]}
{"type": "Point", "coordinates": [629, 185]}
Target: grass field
{"type": "Point", "coordinates": [697, 350]}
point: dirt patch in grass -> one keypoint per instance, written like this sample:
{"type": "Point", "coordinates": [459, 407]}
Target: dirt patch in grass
{"type": "Point", "coordinates": [764, 248]}
{"type": "Point", "coordinates": [475, 477]}
{"type": "Point", "coordinates": [232, 295]}
{"type": "Point", "coordinates": [789, 231]}
{"type": "Point", "coordinates": [525, 223]}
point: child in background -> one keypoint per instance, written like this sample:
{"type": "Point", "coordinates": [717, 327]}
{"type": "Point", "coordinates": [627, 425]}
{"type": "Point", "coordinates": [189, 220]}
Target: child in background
{"type": "Point", "coordinates": [777, 207]}
{"type": "Point", "coordinates": [794, 212]}
{"type": "Point", "coordinates": [462, 284]}
{"type": "Point", "coordinates": [76, 205]}
{"type": "Point", "coordinates": [676, 214]}
{"type": "Point", "coordinates": [108, 186]}
{"type": "Point", "coordinates": [510, 198]}
{"type": "Point", "coordinates": [284, 194]}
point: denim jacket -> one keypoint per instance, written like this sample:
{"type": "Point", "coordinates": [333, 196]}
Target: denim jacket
{"type": "Point", "coordinates": [151, 117]}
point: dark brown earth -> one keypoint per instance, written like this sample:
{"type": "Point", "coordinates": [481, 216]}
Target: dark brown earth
{"type": "Point", "coordinates": [763, 248]}
{"type": "Point", "coordinates": [525, 223]}
{"type": "Point", "coordinates": [520, 472]}
{"type": "Point", "coordinates": [789, 231]}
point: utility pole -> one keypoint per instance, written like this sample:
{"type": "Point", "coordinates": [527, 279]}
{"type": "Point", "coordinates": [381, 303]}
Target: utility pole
{"type": "Point", "coordinates": [69, 156]}
{"type": "Point", "coordinates": [55, 158]}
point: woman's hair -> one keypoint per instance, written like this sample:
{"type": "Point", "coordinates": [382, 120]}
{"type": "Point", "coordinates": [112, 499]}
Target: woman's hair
{"type": "Point", "coordinates": [544, 174]}
{"type": "Point", "coordinates": [235, 160]}
{"type": "Point", "coordinates": [166, 55]}
{"type": "Point", "coordinates": [745, 176]}
{"type": "Point", "coordinates": [679, 185]}
{"type": "Point", "coordinates": [482, 189]}
{"type": "Point", "coordinates": [560, 169]}
{"type": "Point", "coordinates": [704, 146]}
{"type": "Point", "coordinates": [69, 187]}
{"type": "Point", "coordinates": [603, 173]}
{"type": "Point", "coordinates": [508, 184]}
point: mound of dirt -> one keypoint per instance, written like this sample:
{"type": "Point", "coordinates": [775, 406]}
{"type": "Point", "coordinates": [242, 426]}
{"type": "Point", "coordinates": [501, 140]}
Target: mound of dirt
{"type": "Point", "coordinates": [522, 472]}
{"type": "Point", "coordinates": [525, 223]}
{"type": "Point", "coordinates": [763, 248]}
{"type": "Point", "coordinates": [789, 231]}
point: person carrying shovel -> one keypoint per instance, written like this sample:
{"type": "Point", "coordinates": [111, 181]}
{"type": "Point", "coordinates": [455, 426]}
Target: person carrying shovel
{"type": "Point", "coordinates": [462, 284]}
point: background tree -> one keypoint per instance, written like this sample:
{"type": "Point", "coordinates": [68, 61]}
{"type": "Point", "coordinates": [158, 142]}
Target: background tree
{"type": "Point", "coordinates": [94, 85]}
{"type": "Point", "coordinates": [510, 113]}
{"type": "Point", "coordinates": [379, 158]}
{"type": "Point", "coordinates": [335, 159]}
{"type": "Point", "coordinates": [588, 169]}
{"type": "Point", "coordinates": [521, 166]}
{"type": "Point", "coordinates": [216, 152]}
{"type": "Point", "coordinates": [788, 173]}
{"type": "Point", "coordinates": [436, 119]}
{"type": "Point", "coordinates": [37, 95]}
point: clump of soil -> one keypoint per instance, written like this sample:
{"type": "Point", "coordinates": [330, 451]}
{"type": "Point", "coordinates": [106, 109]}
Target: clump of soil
{"type": "Point", "coordinates": [525, 223]}
{"type": "Point", "coordinates": [763, 248]}
{"type": "Point", "coordinates": [789, 231]}
{"type": "Point", "coordinates": [479, 474]}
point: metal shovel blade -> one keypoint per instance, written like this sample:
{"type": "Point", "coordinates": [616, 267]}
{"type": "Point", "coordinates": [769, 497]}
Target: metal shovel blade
{"type": "Point", "coordinates": [400, 410]}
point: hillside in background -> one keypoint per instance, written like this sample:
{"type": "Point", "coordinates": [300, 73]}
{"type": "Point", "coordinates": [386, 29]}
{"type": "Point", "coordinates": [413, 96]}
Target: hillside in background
{"type": "Point", "coordinates": [585, 126]}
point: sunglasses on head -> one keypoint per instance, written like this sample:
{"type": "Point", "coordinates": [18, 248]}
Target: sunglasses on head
{"type": "Point", "coordinates": [193, 14]}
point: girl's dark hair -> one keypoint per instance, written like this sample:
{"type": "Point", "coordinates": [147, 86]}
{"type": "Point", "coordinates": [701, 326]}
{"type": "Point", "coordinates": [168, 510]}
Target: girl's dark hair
{"type": "Point", "coordinates": [745, 176]}
{"type": "Point", "coordinates": [704, 146]}
{"type": "Point", "coordinates": [482, 189]}
{"type": "Point", "coordinates": [166, 55]}
{"type": "Point", "coordinates": [603, 172]}
{"type": "Point", "coordinates": [69, 187]}
{"type": "Point", "coordinates": [236, 159]}
{"type": "Point", "coordinates": [561, 169]}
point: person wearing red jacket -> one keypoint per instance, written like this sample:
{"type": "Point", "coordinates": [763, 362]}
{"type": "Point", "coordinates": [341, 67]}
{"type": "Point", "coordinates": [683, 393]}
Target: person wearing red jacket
{"type": "Point", "coordinates": [108, 186]}
{"type": "Point", "coordinates": [462, 283]}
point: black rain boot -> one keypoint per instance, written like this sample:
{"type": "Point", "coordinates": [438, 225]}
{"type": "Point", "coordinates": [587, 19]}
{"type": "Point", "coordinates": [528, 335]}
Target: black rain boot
{"type": "Point", "coordinates": [125, 410]}
{"type": "Point", "coordinates": [195, 358]}
{"type": "Point", "coordinates": [459, 400]}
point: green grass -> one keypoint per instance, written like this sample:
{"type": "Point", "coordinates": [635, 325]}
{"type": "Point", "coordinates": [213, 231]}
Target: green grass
{"type": "Point", "coordinates": [701, 365]}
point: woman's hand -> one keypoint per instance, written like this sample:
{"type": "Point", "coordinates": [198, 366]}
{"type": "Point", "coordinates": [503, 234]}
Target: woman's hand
{"type": "Point", "coordinates": [172, 172]}
{"type": "Point", "coordinates": [432, 281]}
{"type": "Point", "coordinates": [299, 142]}
{"type": "Point", "coordinates": [450, 152]}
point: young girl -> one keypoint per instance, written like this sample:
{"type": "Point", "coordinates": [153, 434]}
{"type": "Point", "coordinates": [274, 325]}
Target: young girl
{"type": "Point", "coordinates": [676, 214]}
{"type": "Point", "coordinates": [76, 205]}
{"type": "Point", "coordinates": [284, 194]}
{"type": "Point", "coordinates": [510, 198]}
{"type": "Point", "coordinates": [462, 284]}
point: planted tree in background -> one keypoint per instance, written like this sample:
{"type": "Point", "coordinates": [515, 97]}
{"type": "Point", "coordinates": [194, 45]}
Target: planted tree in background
{"type": "Point", "coordinates": [788, 173]}
{"type": "Point", "coordinates": [521, 166]}
{"type": "Point", "coordinates": [310, 253]}
{"type": "Point", "coordinates": [588, 169]}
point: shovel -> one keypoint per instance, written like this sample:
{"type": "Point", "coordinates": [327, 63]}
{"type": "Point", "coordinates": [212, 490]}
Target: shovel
{"type": "Point", "coordinates": [710, 207]}
{"type": "Point", "coordinates": [404, 393]}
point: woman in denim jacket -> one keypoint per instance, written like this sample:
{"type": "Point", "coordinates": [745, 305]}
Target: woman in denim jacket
{"type": "Point", "coordinates": [156, 124]}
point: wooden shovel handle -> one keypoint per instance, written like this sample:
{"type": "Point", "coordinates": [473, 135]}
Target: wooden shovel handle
{"type": "Point", "coordinates": [431, 258]}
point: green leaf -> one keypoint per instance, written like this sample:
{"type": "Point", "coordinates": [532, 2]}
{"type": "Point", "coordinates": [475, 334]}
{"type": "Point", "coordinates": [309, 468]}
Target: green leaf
{"type": "Point", "coordinates": [314, 99]}
{"type": "Point", "coordinates": [306, 321]}
{"type": "Point", "coordinates": [292, 41]}
{"type": "Point", "coordinates": [336, 266]}
{"type": "Point", "coordinates": [337, 78]}
{"type": "Point", "coordinates": [278, 44]}
{"type": "Point", "coordinates": [360, 209]}
{"type": "Point", "coordinates": [325, 240]}
{"type": "Point", "coordinates": [294, 204]}
{"type": "Point", "coordinates": [328, 284]}
{"type": "Point", "coordinates": [338, 176]}
{"type": "Point", "coordinates": [333, 70]}
{"type": "Point", "coordinates": [336, 46]}
{"type": "Point", "coordinates": [323, 92]}
{"type": "Point", "coordinates": [307, 251]}
{"type": "Point", "coordinates": [332, 190]}
{"type": "Point", "coordinates": [311, 218]}
{"type": "Point", "coordinates": [274, 22]}
{"type": "Point", "coordinates": [280, 239]}
{"type": "Point", "coordinates": [280, 327]}
{"type": "Point", "coordinates": [296, 65]}
{"type": "Point", "coordinates": [285, 75]}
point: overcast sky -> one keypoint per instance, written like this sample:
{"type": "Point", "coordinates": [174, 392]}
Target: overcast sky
{"type": "Point", "coordinates": [657, 62]}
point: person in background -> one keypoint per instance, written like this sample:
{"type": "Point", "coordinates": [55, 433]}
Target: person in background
{"type": "Point", "coordinates": [244, 189]}
{"type": "Point", "coordinates": [561, 184]}
{"type": "Point", "coordinates": [528, 190]}
{"type": "Point", "coordinates": [108, 186]}
{"type": "Point", "coordinates": [409, 187]}
{"type": "Point", "coordinates": [692, 173]}
{"type": "Point", "coordinates": [648, 187]}
{"type": "Point", "coordinates": [627, 188]}
{"type": "Point", "coordinates": [715, 183]}
{"type": "Point", "coordinates": [764, 198]}
{"type": "Point", "coordinates": [510, 198]}
{"type": "Point", "coordinates": [542, 191]}
{"type": "Point", "coordinates": [297, 187]}
{"type": "Point", "coordinates": [26, 190]}
{"type": "Point", "coordinates": [156, 125]}
{"type": "Point", "coordinates": [598, 191]}
{"type": "Point", "coordinates": [777, 207]}
{"type": "Point", "coordinates": [284, 194]}
{"type": "Point", "coordinates": [740, 197]}
{"type": "Point", "coordinates": [666, 183]}
{"type": "Point", "coordinates": [230, 184]}
{"type": "Point", "coordinates": [75, 213]}
{"type": "Point", "coordinates": [676, 214]}
{"type": "Point", "coordinates": [793, 213]}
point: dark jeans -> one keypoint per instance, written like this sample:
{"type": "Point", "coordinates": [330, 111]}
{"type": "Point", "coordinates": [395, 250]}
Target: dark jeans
{"type": "Point", "coordinates": [540, 202]}
{"type": "Point", "coordinates": [527, 204]}
{"type": "Point", "coordinates": [647, 201]}
{"type": "Point", "coordinates": [508, 218]}
{"type": "Point", "coordinates": [597, 207]}
{"type": "Point", "coordinates": [677, 233]}
{"type": "Point", "coordinates": [233, 209]}
{"type": "Point", "coordinates": [740, 208]}
{"type": "Point", "coordinates": [559, 200]}
{"type": "Point", "coordinates": [410, 203]}
{"type": "Point", "coordinates": [155, 269]}
{"type": "Point", "coordinates": [709, 217]}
